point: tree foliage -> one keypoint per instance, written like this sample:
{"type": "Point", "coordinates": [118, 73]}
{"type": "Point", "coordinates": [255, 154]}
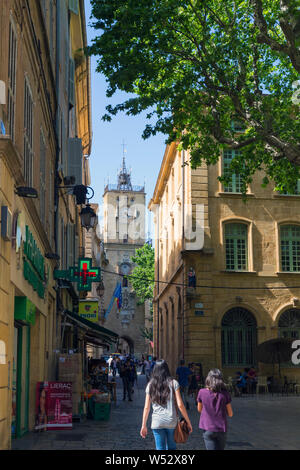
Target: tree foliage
{"type": "Point", "coordinates": [142, 276]}
{"type": "Point", "coordinates": [197, 65]}
{"type": "Point", "coordinates": [142, 280]}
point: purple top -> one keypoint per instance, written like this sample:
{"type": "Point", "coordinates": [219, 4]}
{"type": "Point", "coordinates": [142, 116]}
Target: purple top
{"type": "Point", "coordinates": [213, 416]}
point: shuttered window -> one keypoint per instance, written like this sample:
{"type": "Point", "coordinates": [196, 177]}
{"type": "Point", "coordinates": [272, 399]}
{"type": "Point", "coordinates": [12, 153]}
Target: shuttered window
{"type": "Point", "coordinates": [51, 207]}
{"type": "Point", "coordinates": [42, 194]}
{"type": "Point", "coordinates": [64, 145]}
{"type": "Point", "coordinates": [72, 81]}
{"type": "Point", "coordinates": [12, 63]}
{"type": "Point", "coordinates": [28, 135]}
{"type": "Point", "coordinates": [236, 247]}
{"type": "Point", "coordinates": [75, 159]}
{"type": "Point", "coordinates": [290, 248]}
{"type": "Point", "coordinates": [235, 183]}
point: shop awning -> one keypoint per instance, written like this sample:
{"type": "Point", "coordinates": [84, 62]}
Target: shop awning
{"type": "Point", "coordinates": [94, 332]}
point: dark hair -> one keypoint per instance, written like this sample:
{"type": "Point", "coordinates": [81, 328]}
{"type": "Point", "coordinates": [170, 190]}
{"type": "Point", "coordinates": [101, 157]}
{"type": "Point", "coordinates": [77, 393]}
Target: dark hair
{"type": "Point", "coordinates": [159, 390]}
{"type": "Point", "coordinates": [214, 381]}
{"type": "Point", "coordinates": [182, 362]}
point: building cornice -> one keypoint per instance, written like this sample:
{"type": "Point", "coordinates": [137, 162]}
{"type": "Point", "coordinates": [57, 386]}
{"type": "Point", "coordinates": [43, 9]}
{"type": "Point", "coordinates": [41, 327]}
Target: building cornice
{"type": "Point", "coordinates": [164, 172]}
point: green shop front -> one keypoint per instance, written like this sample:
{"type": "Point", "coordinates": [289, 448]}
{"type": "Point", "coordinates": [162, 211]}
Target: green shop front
{"type": "Point", "coordinates": [24, 317]}
{"type": "Point", "coordinates": [25, 311]}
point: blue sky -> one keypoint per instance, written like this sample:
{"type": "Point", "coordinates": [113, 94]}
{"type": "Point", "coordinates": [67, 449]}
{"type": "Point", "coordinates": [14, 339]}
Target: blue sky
{"type": "Point", "coordinates": [143, 156]}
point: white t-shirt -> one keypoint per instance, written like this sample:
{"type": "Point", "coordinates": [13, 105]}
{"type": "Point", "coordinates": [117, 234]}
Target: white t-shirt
{"type": "Point", "coordinates": [165, 417]}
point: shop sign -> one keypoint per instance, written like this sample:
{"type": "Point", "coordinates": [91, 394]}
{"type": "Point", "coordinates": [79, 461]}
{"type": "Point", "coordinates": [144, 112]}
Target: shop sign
{"type": "Point", "coordinates": [84, 274]}
{"type": "Point", "coordinates": [53, 408]}
{"type": "Point", "coordinates": [24, 310]}
{"type": "Point", "coordinates": [89, 310]}
{"type": "Point", "coordinates": [34, 264]}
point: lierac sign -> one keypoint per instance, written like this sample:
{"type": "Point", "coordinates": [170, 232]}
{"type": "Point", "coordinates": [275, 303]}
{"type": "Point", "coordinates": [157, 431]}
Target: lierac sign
{"type": "Point", "coordinates": [33, 264]}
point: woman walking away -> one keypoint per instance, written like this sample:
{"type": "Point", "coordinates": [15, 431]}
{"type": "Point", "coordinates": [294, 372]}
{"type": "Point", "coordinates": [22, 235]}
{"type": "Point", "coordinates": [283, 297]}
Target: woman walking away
{"type": "Point", "coordinates": [163, 392]}
{"type": "Point", "coordinates": [214, 406]}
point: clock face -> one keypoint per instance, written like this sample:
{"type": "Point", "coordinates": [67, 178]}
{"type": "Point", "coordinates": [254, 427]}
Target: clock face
{"type": "Point", "coordinates": [125, 269]}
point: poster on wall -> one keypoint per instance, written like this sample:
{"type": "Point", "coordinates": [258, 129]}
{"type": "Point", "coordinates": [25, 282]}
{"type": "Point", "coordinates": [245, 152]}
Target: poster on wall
{"type": "Point", "coordinates": [88, 310]}
{"type": "Point", "coordinates": [53, 406]}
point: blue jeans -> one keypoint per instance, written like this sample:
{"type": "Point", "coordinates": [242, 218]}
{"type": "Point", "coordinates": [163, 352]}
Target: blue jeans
{"type": "Point", "coordinates": [214, 440]}
{"type": "Point", "coordinates": [164, 439]}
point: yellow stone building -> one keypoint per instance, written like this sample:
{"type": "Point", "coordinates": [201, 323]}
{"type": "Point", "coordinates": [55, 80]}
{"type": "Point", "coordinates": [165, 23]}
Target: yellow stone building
{"type": "Point", "coordinates": [226, 268]}
{"type": "Point", "coordinates": [44, 121]}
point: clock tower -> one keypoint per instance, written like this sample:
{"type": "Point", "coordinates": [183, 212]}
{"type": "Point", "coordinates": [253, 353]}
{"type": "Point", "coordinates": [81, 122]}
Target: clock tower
{"type": "Point", "coordinates": [124, 208]}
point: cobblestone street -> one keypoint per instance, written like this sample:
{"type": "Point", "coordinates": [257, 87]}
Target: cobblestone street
{"type": "Point", "coordinates": [259, 423]}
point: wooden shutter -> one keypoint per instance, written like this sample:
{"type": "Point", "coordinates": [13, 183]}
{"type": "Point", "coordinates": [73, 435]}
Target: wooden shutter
{"type": "Point", "coordinates": [75, 159]}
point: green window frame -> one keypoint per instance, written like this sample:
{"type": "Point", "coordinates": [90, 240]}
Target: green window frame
{"type": "Point", "coordinates": [290, 248]}
{"type": "Point", "coordinates": [238, 338]}
{"type": "Point", "coordinates": [236, 247]}
{"type": "Point", "coordinates": [235, 184]}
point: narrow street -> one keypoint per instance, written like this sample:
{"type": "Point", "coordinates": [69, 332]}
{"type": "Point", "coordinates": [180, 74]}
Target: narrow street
{"type": "Point", "coordinates": [259, 423]}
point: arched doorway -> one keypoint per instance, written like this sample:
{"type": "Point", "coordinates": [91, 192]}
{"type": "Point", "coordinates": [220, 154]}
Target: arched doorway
{"type": "Point", "coordinates": [239, 338]}
{"type": "Point", "coordinates": [126, 345]}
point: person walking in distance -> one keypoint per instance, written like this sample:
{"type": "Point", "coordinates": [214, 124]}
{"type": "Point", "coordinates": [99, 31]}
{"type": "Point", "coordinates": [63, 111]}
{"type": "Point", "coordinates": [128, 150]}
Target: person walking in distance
{"type": "Point", "coordinates": [147, 369]}
{"type": "Point", "coordinates": [183, 374]}
{"type": "Point", "coordinates": [125, 376]}
{"type": "Point", "coordinates": [163, 392]}
{"type": "Point", "coordinates": [214, 404]}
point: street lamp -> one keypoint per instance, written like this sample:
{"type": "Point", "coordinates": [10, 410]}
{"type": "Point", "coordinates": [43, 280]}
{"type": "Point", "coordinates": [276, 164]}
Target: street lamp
{"type": "Point", "coordinates": [100, 289]}
{"type": "Point", "coordinates": [88, 217]}
{"type": "Point", "coordinates": [24, 191]}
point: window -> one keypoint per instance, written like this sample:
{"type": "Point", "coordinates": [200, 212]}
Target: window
{"type": "Point", "coordinates": [51, 205]}
{"type": "Point", "coordinates": [289, 324]}
{"type": "Point", "coordinates": [28, 135]}
{"type": "Point", "coordinates": [239, 338]}
{"type": "Point", "coordinates": [42, 194]}
{"type": "Point", "coordinates": [290, 248]}
{"type": "Point", "coordinates": [235, 183]}
{"type": "Point", "coordinates": [71, 82]}
{"type": "Point", "coordinates": [11, 101]}
{"type": "Point", "coordinates": [289, 327]}
{"type": "Point", "coordinates": [236, 247]}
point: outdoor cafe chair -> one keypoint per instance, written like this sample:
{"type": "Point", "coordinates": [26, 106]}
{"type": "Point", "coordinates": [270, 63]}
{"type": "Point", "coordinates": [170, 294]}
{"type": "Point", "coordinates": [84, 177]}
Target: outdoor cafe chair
{"type": "Point", "coordinates": [262, 383]}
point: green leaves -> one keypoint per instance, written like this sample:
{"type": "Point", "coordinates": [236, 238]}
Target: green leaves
{"type": "Point", "coordinates": [195, 65]}
{"type": "Point", "coordinates": [142, 277]}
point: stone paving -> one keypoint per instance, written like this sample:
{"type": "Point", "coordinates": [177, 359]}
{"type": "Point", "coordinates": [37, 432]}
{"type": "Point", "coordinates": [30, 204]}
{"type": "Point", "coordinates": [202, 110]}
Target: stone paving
{"type": "Point", "coordinates": [259, 423]}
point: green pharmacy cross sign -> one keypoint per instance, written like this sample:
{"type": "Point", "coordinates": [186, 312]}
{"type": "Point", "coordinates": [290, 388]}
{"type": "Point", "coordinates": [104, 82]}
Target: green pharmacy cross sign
{"type": "Point", "coordinates": [84, 274]}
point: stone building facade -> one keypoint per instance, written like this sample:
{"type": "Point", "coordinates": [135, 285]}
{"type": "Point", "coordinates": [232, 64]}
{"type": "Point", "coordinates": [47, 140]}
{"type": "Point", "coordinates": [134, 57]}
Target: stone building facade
{"type": "Point", "coordinates": [46, 109]}
{"type": "Point", "coordinates": [123, 233]}
{"type": "Point", "coordinates": [229, 288]}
